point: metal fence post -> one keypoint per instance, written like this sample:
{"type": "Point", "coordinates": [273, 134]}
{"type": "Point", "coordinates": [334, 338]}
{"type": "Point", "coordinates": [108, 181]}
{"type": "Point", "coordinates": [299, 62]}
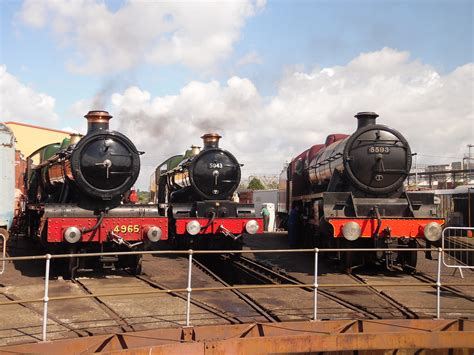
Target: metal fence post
{"type": "Point", "coordinates": [4, 251]}
{"type": "Point", "coordinates": [46, 298]}
{"type": "Point", "coordinates": [189, 289]}
{"type": "Point", "coordinates": [438, 285]}
{"type": "Point", "coordinates": [315, 293]}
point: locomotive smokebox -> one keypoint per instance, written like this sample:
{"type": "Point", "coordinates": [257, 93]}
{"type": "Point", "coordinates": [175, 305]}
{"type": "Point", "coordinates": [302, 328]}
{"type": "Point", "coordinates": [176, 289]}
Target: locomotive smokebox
{"type": "Point", "coordinates": [365, 119]}
{"type": "Point", "coordinates": [97, 120]}
{"type": "Point", "coordinates": [211, 140]}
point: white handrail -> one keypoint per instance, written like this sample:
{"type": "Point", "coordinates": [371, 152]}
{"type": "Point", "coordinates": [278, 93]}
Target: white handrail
{"type": "Point", "coordinates": [4, 252]}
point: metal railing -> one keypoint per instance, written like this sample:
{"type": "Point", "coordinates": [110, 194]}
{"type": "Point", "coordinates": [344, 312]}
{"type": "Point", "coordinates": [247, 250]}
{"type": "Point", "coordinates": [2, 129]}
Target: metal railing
{"type": "Point", "coordinates": [4, 251]}
{"type": "Point", "coordinates": [461, 239]}
{"type": "Point", "coordinates": [315, 285]}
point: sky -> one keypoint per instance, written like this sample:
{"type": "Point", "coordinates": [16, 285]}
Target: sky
{"type": "Point", "coordinates": [272, 77]}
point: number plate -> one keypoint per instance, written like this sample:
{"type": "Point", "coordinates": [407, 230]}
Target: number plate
{"type": "Point", "coordinates": [215, 166]}
{"type": "Point", "coordinates": [127, 228]}
{"type": "Point", "coordinates": [378, 150]}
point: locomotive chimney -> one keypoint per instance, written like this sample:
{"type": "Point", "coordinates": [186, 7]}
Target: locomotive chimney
{"type": "Point", "coordinates": [365, 119]}
{"type": "Point", "coordinates": [97, 120]}
{"type": "Point", "coordinates": [211, 140]}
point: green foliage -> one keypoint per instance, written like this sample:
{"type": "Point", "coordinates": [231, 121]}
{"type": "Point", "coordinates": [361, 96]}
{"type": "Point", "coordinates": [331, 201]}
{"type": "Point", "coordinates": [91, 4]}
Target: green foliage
{"type": "Point", "coordinates": [143, 196]}
{"type": "Point", "coordinates": [272, 185]}
{"type": "Point", "coordinates": [255, 184]}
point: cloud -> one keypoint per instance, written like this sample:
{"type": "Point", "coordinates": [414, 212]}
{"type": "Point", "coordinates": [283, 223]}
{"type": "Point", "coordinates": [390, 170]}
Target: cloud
{"type": "Point", "coordinates": [195, 34]}
{"type": "Point", "coordinates": [20, 102]}
{"type": "Point", "coordinates": [434, 112]}
{"type": "Point", "coordinates": [249, 58]}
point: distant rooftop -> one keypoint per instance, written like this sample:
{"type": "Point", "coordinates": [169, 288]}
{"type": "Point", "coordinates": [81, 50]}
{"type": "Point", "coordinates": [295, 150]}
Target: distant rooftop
{"type": "Point", "coordinates": [36, 127]}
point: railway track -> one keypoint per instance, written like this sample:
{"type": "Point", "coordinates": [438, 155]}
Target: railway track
{"type": "Point", "coordinates": [269, 276]}
{"type": "Point", "coordinates": [205, 306]}
{"type": "Point", "coordinates": [406, 311]}
{"type": "Point", "coordinates": [121, 321]}
{"type": "Point", "coordinates": [39, 312]}
{"type": "Point", "coordinates": [245, 298]}
{"type": "Point", "coordinates": [452, 289]}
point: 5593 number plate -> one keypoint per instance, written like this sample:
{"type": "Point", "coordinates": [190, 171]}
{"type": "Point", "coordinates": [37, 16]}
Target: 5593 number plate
{"type": "Point", "coordinates": [373, 149]}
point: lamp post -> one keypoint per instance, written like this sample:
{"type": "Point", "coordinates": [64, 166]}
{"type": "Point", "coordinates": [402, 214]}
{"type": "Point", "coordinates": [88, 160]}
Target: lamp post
{"type": "Point", "coordinates": [469, 146]}
{"type": "Point", "coordinates": [416, 170]}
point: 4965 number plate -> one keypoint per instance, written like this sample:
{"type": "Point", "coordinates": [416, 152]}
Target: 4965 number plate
{"type": "Point", "coordinates": [127, 228]}
{"type": "Point", "coordinates": [377, 149]}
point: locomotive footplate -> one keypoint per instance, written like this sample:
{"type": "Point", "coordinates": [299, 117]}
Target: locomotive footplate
{"type": "Point", "coordinates": [389, 227]}
{"type": "Point", "coordinates": [218, 225]}
{"type": "Point", "coordinates": [215, 217]}
{"type": "Point", "coordinates": [126, 225]}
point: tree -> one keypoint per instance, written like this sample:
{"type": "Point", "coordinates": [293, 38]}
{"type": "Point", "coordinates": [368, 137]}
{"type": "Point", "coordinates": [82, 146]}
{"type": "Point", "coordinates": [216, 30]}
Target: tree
{"type": "Point", "coordinates": [272, 185]}
{"type": "Point", "coordinates": [255, 184]}
{"type": "Point", "coordinates": [143, 196]}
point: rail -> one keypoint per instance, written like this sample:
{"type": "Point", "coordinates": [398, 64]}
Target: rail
{"type": "Point", "coordinates": [190, 253]}
{"type": "Point", "coordinates": [4, 251]}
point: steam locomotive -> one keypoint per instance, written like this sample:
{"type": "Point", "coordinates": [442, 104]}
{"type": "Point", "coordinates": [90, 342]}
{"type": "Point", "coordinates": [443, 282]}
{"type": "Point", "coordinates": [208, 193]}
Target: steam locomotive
{"type": "Point", "coordinates": [75, 195]}
{"type": "Point", "coordinates": [349, 193]}
{"type": "Point", "coordinates": [196, 191]}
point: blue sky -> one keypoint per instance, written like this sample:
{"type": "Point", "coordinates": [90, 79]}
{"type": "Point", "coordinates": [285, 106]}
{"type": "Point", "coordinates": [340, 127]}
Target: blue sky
{"type": "Point", "coordinates": [286, 33]}
{"type": "Point", "coordinates": [266, 45]}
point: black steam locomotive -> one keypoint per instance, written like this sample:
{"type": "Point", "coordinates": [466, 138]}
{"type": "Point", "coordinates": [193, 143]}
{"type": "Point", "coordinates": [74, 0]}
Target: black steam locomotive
{"type": "Point", "coordinates": [349, 192]}
{"type": "Point", "coordinates": [93, 171]}
{"type": "Point", "coordinates": [75, 192]}
{"type": "Point", "coordinates": [197, 192]}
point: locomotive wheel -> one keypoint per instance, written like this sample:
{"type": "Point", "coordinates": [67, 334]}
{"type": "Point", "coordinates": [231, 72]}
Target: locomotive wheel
{"type": "Point", "coordinates": [131, 262]}
{"type": "Point", "coordinates": [348, 261]}
{"type": "Point", "coordinates": [408, 259]}
{"type": "Point", "coordinates": [136, 267]}
{"type": "Point", "coordinates": [70, 266]}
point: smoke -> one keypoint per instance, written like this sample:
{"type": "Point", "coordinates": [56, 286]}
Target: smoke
{"type": "Point", "coordinates": [101, 97]}
{"type": "Point", "coordinates": [109, 85]}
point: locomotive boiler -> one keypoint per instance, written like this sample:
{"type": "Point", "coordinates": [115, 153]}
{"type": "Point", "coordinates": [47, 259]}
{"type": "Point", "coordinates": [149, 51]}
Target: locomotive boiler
{"type": "Point", "coordinates": [197, 190]}
{"type": "Point", "coordinates": [374, 160]}
{"type": "Point", "coordinates": [349, 192]}
{"type": "Point", "coordinates": [75, 192]}
{"type": "Point", "coordinates": [94, 171]}
{"type": "Point", "coordinates": [210, 174]}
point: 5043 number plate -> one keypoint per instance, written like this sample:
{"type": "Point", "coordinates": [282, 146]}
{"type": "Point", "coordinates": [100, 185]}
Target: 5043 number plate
{"type": "Point", "coordinates": [373, 149]}
{"type": "Point", "coordinates": [215, 165]}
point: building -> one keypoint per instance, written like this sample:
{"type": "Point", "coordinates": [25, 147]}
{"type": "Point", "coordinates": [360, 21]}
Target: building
{"type": "Point", "coordinates": [29, 137]}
